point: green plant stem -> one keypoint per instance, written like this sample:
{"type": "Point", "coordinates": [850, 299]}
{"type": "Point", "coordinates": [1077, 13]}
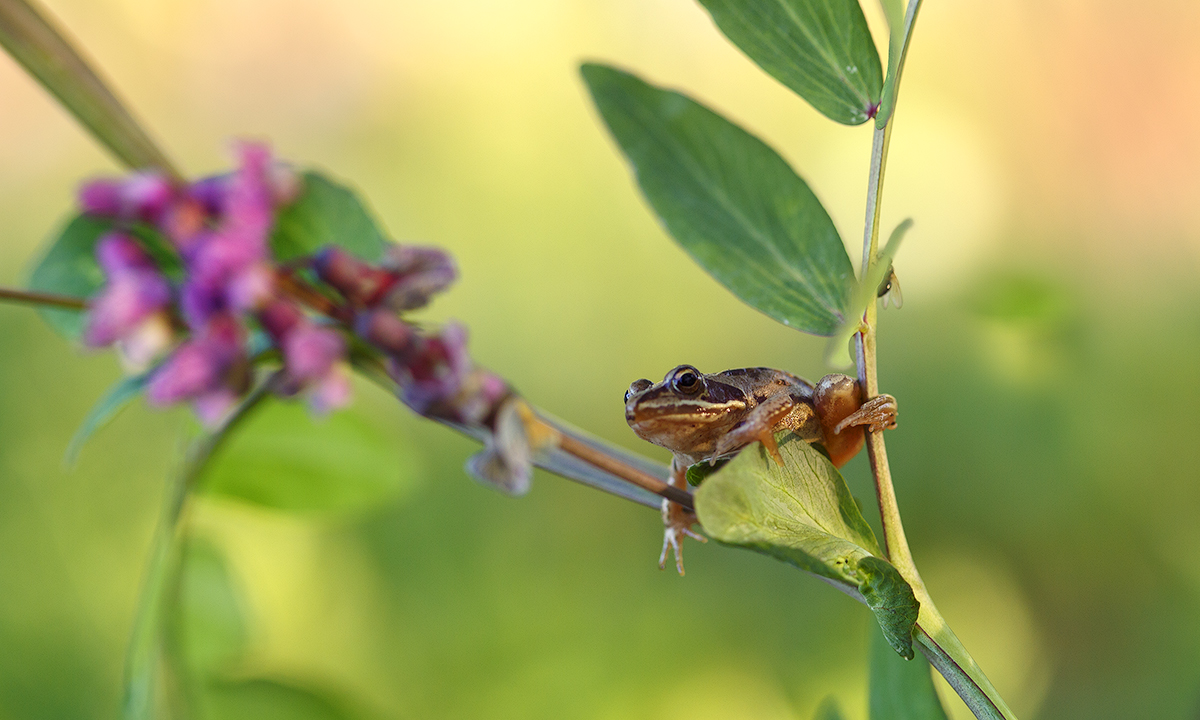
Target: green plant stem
{"type": "Point", "coordinates": [162, 573]}
{"type": "Point", "coordinates": [935, 638]}
{"type": "Point", "coordinates": [45, 52]}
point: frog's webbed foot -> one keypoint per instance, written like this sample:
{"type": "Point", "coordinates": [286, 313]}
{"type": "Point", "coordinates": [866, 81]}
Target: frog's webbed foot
{"type": "Point", "coordinates": [678, 521]}
{"type": "Point", "coordinates": [759, 425]}
{"type": "Point", "coordinates": [878, 414]}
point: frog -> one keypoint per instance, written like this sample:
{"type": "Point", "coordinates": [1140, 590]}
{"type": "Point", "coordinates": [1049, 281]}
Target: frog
{"type": "Point", "coordinates": [706, 417]}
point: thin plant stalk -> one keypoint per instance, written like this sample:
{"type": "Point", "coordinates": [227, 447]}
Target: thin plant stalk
{"type": "Point", "coordinates": [933, 636]}
{"type": "Point", "coordinates": [44, 50]}
{"type": "Point", "coordinates": [30, 297]}
{"type": "Point", "coordinates": [145, 654]}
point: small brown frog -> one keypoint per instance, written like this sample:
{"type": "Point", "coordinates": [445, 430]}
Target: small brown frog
{"type": "Point", "coordinates": [700, 417]}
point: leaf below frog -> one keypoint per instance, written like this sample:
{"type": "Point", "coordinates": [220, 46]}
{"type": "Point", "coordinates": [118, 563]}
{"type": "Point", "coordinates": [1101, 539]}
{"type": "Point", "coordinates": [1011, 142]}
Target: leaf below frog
{"type": "Point", "coordinates": [803, 513]}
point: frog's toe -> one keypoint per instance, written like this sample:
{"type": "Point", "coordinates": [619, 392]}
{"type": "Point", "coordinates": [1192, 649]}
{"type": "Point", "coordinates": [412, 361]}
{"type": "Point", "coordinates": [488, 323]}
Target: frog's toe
{"type": "Point", "coordinates": [878, 414]}
{"type": "Point", "coordinates": [673, 542]}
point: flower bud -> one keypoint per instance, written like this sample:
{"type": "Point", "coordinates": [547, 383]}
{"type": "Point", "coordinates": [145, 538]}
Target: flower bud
{"type": "Point", "coordinates": [117, 253]}
{"type": "Point", "coordinates": [420, 272]}
{"type": "Point", "coordinates": [385, 331]}
{"type": "Point", "coordinates": [361, 284]}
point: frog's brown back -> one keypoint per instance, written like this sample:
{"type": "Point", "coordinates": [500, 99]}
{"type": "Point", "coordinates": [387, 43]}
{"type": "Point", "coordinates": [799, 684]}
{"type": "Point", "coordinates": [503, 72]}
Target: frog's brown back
{"type": "Point", "coordinates": [759, 383]}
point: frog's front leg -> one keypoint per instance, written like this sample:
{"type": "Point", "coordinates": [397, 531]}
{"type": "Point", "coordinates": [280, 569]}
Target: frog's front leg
{"type": "Point", "coordinates": [677, 519]}
{"type": "Point", "coordinates": [760, 424]}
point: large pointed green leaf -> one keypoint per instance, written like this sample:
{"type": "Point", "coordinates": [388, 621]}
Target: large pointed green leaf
{"type": "Point", "coordinates": [821, 49]}
{"type": "Point", "coordinates": [901, 689]}
{"type": "Point", "coordinates": [803, 513]}
{"type": "Point", "coordinates": [730, 201]}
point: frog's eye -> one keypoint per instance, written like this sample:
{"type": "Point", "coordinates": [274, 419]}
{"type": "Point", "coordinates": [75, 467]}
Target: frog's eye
{"type": "Point", "coordinates": [636, 387]}
{"type": "Point", "coordinates": [686, 379]}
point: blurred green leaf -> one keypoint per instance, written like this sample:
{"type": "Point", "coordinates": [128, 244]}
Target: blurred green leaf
{"type": "Point", "coordinates": [803, 513]}
{"type": "Point", "coordinates": [893, 10]}
{"type": "Point", "coordinates": [821, 49]}
{"type": "Point", "coordinates": [901, 689]}
{"type": "Point", "coordinates": [106, 408]}
{"type": "Point", "coordinates": [730, 201]}
{"type": "Point", "coordinates": [262, 699]}
{"type": "Point", "coordinates": [47, 55]}
{"type": "Point", "coordinates": [1021, 300]}
{"type": "Point", "coordinates": [211, 630]}
{"type": "Point", "coordinates": [326, 213]}
{"type": "Point", "coordinates": [283, 458]}
{"type": "Point", "coordinates": [828, 710]}
{"type": "Point", "coordinates": [69, 268]}
{"type": "Point", "coordinates": [837, 352]}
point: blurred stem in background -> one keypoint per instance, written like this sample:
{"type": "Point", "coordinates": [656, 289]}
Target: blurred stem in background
{"type": "Point", "coordinates": [46, 53]}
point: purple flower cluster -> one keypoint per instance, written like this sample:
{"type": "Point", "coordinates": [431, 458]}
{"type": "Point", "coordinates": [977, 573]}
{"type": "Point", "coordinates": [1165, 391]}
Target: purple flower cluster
{"type": "Point", "coordinates": [219, 227]}
{"type": "Point", "coordinates": [198, 324]}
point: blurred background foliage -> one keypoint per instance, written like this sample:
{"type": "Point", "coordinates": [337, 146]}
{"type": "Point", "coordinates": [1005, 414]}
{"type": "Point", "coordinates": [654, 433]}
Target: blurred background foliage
{"type": "Point", "coordinates": [1045, 363]}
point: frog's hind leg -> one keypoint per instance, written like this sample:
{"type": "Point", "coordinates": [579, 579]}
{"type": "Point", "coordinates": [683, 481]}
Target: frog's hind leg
{"type": "Point", "coordinates": [759, 425]}
{"type": "Point", "coordinates": [677, 519]}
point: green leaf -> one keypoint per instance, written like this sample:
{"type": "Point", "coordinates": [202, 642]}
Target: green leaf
{"type": "Point", "coordinates": [730, 201]}
{"type": "Point", "coordinates": [210, 627]}
{"type": "Point", "coordinates": [821, 49]}
{"type": "Point", "coordinates": [282, 458]}
{"type": "Point", "coordinates": [114, 401]}
{"type": "Point", "coordinates": [69, 268]}
{"type": "Point", "coordinates": [828, 710]}
{"type": "Point", "coordinates": [803, 513]}
{"type": "Point", "coordinates": [326, 213]}
{"type": "Point", "coordinates": [893, 10]}
{"type": "Point", "coordinates": [696, 473]}
{"type": "Point", "coordinates": [263, 699]}
{"type": "Point", "coordinates": [892, 600]}
{"type": "Point", "coordinates": [901, 689]}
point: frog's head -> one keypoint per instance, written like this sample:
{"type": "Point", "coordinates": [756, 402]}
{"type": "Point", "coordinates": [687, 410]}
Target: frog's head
{"type": "Point", "coordinates": [685, 402]}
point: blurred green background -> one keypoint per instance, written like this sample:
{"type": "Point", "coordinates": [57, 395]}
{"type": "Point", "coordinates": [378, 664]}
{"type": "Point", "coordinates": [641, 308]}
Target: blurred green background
{"type": "Point", "coordinates": [1045, 362]}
